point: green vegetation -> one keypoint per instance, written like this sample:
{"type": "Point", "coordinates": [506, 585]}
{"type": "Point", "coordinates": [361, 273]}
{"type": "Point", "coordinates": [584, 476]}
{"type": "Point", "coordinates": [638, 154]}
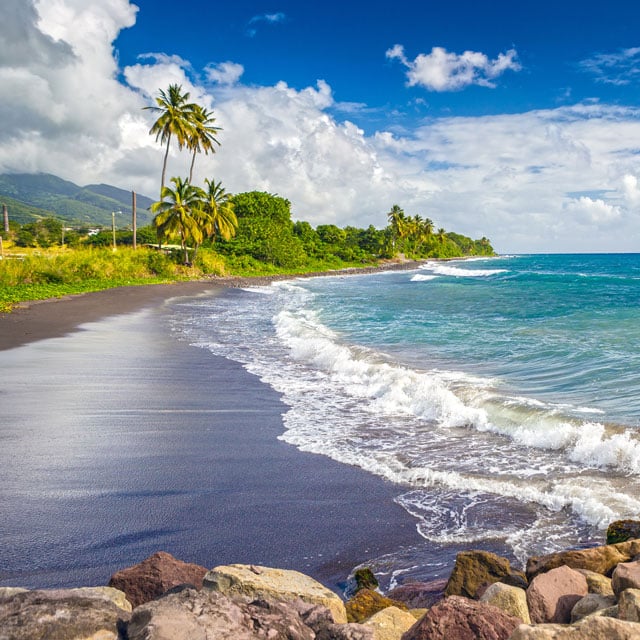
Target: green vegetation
{"type": "Point", "coordinates": [247, 234]}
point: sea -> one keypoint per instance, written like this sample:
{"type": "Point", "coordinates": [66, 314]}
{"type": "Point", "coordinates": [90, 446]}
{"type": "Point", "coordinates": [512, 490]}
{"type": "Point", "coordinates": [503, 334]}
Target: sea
{"type": "Point", "coordinates": [501, 395]}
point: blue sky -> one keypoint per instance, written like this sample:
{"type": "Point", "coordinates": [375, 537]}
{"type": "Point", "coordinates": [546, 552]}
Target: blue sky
{"type": "Point", "coordinates": [519, 122]}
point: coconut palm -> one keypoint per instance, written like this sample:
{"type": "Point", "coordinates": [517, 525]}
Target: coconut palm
{"type": "Point", "coordinates": [397, 222]}
{"type": "Point", "coordinates": [175, 120]}
{"type": "Point", "coordinates": [218, 206]}
{"type": "Point", "coordinates": [201, 135]}
{"type": "Point", "coordinates": [179, 213]}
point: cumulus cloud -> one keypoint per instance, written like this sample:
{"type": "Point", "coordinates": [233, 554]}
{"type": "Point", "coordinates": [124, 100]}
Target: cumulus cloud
{"type": "Point", "coordinates": [552, 180]}
{"type": "Point", "coordinates": [619, 68]}
{"type": "Point", "coordinates": [442, 70]}
{"type": "Point", "coordinates": [224, 72]}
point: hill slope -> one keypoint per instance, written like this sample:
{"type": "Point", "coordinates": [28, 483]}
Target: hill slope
{"type": "Point", "coordinates": [32, 196]}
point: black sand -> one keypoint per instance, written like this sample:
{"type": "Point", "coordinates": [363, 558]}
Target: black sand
{"type": "Point", "coordinates": [118, 441]}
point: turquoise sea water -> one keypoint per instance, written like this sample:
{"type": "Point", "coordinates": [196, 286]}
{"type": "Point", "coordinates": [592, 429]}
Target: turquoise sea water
{"type": "Point", "coordinates": [501, 395]}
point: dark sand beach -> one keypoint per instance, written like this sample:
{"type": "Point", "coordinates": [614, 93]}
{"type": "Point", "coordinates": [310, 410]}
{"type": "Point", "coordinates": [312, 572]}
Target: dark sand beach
{"type": "Point", "coordinates": [118, 440]}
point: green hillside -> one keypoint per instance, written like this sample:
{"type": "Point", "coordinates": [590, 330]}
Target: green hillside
{"type": "Point", "coordinates": [30, 197]}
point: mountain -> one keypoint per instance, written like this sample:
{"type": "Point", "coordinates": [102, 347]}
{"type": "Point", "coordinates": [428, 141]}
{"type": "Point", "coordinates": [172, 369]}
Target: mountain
{"type": "Point", "coordinates": [30, 196]}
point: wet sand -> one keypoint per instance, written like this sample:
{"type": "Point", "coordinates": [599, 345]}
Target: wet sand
{"type": "Point", "coordinates": [117, 440]}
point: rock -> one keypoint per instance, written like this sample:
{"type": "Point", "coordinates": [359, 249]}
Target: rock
{"type": "Point", "coordinates": [119, 598]}
{"type": "Point", "coordinates": [513, 600]}
{"type": "Point", "coordinates": [626, 576]}
{"type": "Point", "coordinates": [154, 576]}
{"type": "Point", "coordinates": [345, 632]}
{"type": "Point", "coordinates": [9, 592]}
{"type": "Point", "coordinates": [597, 583]}
{"type": "Point", "coordinates": [366, 602]}
{"type": "Point", "coordinates": [418, 613]}
{"type": "Point", "coordinates": [590, 604]}
{"type": "Point", "coordinates": [591, 628]}
{"type": "Point", "coordinates": [276, 584]}
{"type": "Point", "coordinates": [365, 579]}
{"type": "Point", "coordinates": [602, 559]}
{"type": "Point", "coordinates": [551, 596]}
{"type": "Point", "coordinates": [623, 530]}
{"type": "Point", "coordinates": [390, 623]}
{"type": "Point", "coordinates": [457, 618]}
{"type": "Point", "coordinates": [200, 615]}
{"type": "Point", "coordinates": [419, 595]}
{"type": "Point", "coordinates": [629, 605]}
{"type": "Point", "coordinates": [476, 570]}
{"type": "Point", "coordinates": [60, 614]}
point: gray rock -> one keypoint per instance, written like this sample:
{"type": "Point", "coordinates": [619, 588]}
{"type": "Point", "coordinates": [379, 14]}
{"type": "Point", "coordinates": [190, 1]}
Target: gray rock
{"type": "Point", "coordinates": [629, 605]}
{"type": "Point", "coordinates": [60, 614]}
{"type": "Point", "coordinates": [590, 604]}
{"type": "Point", "coordinates": [591, 628]}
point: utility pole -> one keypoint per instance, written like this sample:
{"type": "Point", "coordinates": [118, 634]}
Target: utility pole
{"type": "Point", "coordinates": [133, 218]}
{"type": "Point", "coordinates": [5, 215]}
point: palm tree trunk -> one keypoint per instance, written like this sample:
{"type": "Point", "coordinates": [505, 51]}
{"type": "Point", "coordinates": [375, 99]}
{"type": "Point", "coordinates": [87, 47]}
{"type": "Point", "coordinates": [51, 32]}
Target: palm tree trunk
{"type": "Point", "coordinates": [164, 166]}
{"type": "Point", "coordinates": [193, 161]}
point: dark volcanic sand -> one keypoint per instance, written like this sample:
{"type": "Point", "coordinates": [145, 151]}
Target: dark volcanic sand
{"type": "Point", "coordinates": [118, 441]}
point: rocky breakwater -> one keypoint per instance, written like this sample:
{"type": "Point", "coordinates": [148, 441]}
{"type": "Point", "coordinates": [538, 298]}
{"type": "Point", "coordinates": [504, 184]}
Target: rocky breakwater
{"type": "Point", "coordinates": [586, 594]}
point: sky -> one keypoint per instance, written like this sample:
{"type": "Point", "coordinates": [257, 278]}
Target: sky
{"type": "Point", "coordinates": [515, 121]}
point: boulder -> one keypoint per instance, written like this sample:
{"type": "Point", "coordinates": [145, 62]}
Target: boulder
{"type": "Point", "coordinates": [60, 614]}
{"type": "Point", "coordinates": [629, 605]}
{"type": "Point", "coordinates": [602, 559]}
{"type": "Point", "coordinates": [365, 579]}
{"type": "Point", "coordinates": [457, 618]}
{"type": "Point", "coordinates": [474, 571]}
{"type": "Point", "coordinates": [390, 623]}
{"type": "Point", "coordinates": [419, 595]}
{"type": "Point", "coordinates": [626, 576]}
{"type": "Point", "coordinates": [513, 600]}
{"type": "Point", "coordinates": [590, 604]}
{"type": "Point", "coordinates": [591, 628]}
{"type": "Point", "coordinates": [199, 615]}
{"type": "Point", "coordinates": [551, 596]}
{"type": "Point", "coordinates": [366, 602]}
{"type": "Point", "coordinates": [623, 530]}
{"type": "Point", "coordinates": [276, 584]}
{"type": "Point", "coordinates": [597, 583]}
{"type": "Point", "coordinates": [154, 576]}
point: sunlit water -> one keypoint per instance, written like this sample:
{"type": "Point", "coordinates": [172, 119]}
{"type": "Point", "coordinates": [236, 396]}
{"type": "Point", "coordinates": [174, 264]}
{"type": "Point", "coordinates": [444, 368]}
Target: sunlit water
{"type": "Point", "coordinates": [501, 395]}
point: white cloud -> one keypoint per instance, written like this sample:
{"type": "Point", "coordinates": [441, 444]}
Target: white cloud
{"type": "Point", "coordinates": [268, 18]}
{"type": "Point", "coordinates": [619, 68]}
{"type": "Point", "coordinates": [224, 72]}
{"type": "Point", "coordinates": [553, 180]}
{"type": "Point", "coordinates": [442, 70]}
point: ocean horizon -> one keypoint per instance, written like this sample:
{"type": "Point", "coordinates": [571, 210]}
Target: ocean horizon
{"type": "Point", "coordinates": [501, 395]}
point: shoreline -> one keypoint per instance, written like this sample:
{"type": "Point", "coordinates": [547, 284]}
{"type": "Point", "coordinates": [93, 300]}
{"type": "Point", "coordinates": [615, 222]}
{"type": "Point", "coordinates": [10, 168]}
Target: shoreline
{"type": "Point", "coordinates": [54, 317]}
{"type": "Point", "coordinates": [210, 483]}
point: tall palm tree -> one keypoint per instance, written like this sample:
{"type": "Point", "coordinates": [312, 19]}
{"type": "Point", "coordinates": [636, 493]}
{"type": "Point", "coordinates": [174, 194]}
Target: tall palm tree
{"type": "Point", "coordinates": [201, 135]}
{"type": "Point", "coordinates": [397, 221]}
{"type": "Point", "coordinates": [219, 208]}
{"type": "Point", "coordinates": [175, 119]}
{"type": "Point", "coordinates": [178, 213]}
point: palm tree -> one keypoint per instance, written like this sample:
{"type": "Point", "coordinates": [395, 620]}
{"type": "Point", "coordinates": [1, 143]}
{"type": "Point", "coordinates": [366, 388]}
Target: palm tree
{"type": "Point", "coordinates": [397, 221]}
{"type": "Point", "coordinates": [201, 135]}
{"type": "Point", "coordinates": [442, 235]}
{"type": "Point", "coordinates": [178, 213]}
{"type": "Point", "coordinates": [175, 119]}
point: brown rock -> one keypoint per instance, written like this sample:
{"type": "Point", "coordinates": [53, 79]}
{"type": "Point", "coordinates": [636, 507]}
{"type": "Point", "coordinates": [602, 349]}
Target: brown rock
{"type": "Point", "coordinates": [366, 602]}
{"type": "Point", "coordinates": [390, 623]}
{"type": "Point", "coordinates": [513, 600]}
{"type": "Point", "coordinates": [456, 618]}
{"type": "Point", "coordinates": [602, 559]}
{"type": "Point", "coordinates": [419, 595]}
{"type": "Point", "coordinates": [626, 576]}
{"type": "Point", "coordinates": [60, 614]}
{"type": "Point", "coordinates": [474, 571]}
{"type": "Point", "coordinates": [551, 596]}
